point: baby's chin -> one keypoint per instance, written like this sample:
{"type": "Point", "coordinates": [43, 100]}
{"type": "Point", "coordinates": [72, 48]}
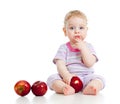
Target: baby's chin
{"type": "Point", "coordinates": [73, 42]}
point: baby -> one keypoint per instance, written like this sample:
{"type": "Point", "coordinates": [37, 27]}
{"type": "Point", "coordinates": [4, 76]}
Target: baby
{"type": "Point", "coordinates": [75, 58]}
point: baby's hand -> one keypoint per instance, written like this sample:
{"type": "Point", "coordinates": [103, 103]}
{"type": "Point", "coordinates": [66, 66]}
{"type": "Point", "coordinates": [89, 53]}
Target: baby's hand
{"type": "Point", "coordinates": [77, 38]}
{"type": "Point", "coordinates": [79, 45]}
{"type": "Point", "coordinates": [68, 78]}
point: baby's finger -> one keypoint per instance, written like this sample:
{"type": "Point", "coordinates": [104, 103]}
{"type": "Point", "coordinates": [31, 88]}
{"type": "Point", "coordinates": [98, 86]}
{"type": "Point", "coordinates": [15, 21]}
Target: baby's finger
{"type": "Point", "coordinates": [77, 38]}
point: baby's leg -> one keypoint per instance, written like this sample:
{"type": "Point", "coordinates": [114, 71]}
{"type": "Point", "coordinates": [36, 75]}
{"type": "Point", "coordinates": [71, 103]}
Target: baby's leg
{"type": "Point", "coordinates": [60, 87]}
{"type": "Point", "coordinates": [93, 87]}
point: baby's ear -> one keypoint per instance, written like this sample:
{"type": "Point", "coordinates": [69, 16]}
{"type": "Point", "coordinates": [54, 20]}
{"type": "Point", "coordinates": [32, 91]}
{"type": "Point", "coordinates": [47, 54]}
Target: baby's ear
{"type": "Point", "coordinates": [64, 30]}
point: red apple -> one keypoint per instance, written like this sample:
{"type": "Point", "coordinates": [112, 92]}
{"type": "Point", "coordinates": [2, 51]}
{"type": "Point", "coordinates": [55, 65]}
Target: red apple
{"type": "Point", "coordinates": [39, 88]}
{"type": "Point", "coordinates": [76, 83]}
{"type": "Point", "coordinates": [22, 87]}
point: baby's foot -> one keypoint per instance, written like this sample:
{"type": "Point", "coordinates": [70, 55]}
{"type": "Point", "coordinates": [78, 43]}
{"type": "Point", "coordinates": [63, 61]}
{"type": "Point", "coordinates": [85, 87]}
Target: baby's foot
{"type": "Point", "coordinates": [68, 90]}
{"type": "Point", "coordinates": [93, 87]}
{"type": "Point", "coordinates": [90, 90]}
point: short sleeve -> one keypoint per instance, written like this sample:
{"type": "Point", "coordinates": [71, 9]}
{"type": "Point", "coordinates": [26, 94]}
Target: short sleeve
{"type": "Point", "coordinates": [61, 54]}
{"type": "Point", "coordinates": [92, 50]}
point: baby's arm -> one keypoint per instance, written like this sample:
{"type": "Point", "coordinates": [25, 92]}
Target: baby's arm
{"type": "Point", "coordinates": [87, 57]}
{"type": "Point", "coordinates": [63, 71]}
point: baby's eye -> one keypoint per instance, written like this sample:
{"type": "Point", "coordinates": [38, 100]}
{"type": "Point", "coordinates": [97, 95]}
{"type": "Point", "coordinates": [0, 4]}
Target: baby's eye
{"type": "Point", "coordinates": [81, 27]}
{"type": "Point", "coordinates": [72, 27]}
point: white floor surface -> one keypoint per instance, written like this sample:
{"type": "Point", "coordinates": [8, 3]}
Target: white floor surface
{"type": "Point", "coordinates": [53, 98]}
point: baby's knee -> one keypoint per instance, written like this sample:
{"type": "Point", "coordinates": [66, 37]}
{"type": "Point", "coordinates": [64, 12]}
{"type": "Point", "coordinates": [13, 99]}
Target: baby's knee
{"type": "Point", "coordinates": [51, 79]}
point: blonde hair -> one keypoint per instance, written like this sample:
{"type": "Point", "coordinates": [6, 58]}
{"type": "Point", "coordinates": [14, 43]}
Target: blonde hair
{"type": "Point", "coordinates": [74, 13]}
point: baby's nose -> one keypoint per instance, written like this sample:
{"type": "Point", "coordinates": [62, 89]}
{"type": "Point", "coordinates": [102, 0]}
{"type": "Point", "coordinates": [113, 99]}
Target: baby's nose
{"type": "Point", "coordinates": [77, 31]}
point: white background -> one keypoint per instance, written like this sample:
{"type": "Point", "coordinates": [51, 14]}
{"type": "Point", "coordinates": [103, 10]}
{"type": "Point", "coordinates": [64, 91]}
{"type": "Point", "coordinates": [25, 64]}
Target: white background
{"type": "Point", "coordinates": [31, 32]}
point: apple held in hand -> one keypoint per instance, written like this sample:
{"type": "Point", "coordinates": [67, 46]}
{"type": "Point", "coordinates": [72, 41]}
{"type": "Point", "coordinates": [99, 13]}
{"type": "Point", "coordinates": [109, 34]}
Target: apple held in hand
{"type": "Point", "coordinates": [76, 83]}
{"type": "Point", "coordinates": [39, 88]}
{"type": "Point", "coordinates": [22, 87]}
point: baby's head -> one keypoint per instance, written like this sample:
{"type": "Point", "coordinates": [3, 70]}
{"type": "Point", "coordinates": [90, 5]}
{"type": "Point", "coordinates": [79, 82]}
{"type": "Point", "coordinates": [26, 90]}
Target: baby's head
{"type": "Point", "coordinates": [74, 13]}
{"type": "Point", "coordinates": [75, 25]}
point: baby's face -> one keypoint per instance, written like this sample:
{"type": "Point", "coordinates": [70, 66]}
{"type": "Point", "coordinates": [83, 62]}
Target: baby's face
{"type": "Point", "coordinates": [76, 29]}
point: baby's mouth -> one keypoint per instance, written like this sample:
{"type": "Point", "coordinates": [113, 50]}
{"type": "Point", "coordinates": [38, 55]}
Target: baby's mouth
{"type": "Point", "coordinates": [77, 37]}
